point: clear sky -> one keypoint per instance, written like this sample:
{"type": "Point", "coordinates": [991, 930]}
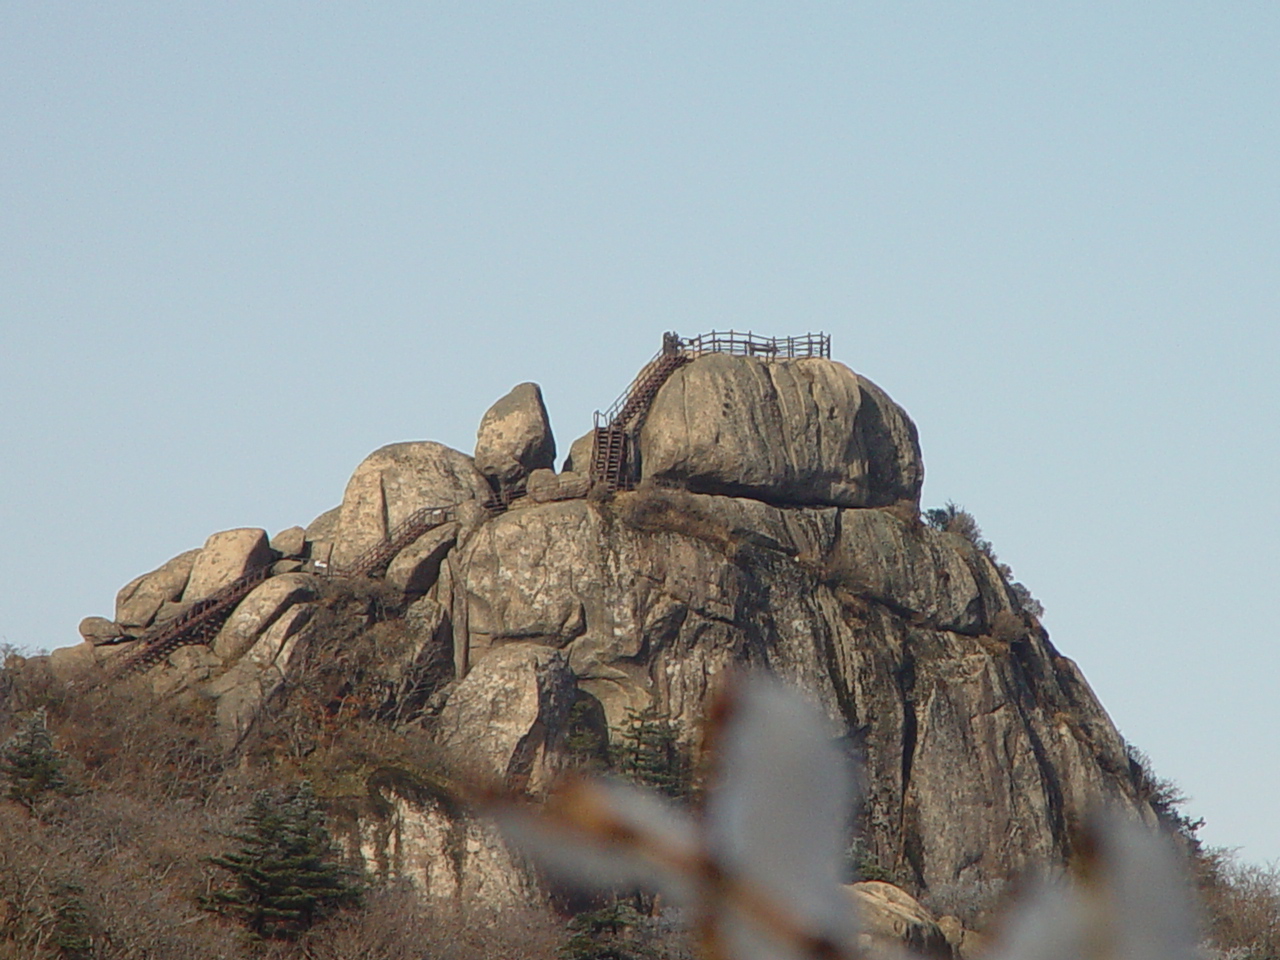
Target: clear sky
{"type": "Point", "coordinates": [244, 244]}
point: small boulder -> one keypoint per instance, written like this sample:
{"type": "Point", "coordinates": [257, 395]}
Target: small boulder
{"type": "Point", "coordinates": [506, 718]}
{"type": "Point", "coordinates": [547, 486]}
{"type": "Point", "coordinates": [579, 458]}
{"type": "Point", "coordinates": [415, 568]}
{"type": "Point", "coordinates": [259, 610]}
{"type": "Point", "coordinates": [395, 481]}
{"type": "Point", "coordinates": [891, 919]}
{"type": "Point", "coordinates": [325, 526]}
{"type": "Point", "coordinates": [965, 944]}
{"type": "Point", "coordinates": [290, 542]}
{"type": "Point", "coordinates": [227, 556]}
{"type": "Point", "coordinates": [100, 630]}
{"type": "Point", "coordinates": [139, 600]}
{"type": "Point", "coordinates": [515, 438]}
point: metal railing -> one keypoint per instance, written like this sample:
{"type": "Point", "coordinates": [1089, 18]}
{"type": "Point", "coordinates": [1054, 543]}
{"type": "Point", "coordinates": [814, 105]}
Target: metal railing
{"type": "Point", "coordinates": [199, 622]}
{"type": "Point", "coordinates": [398, 537]}
{"type": "Point", "coordinates": [613, 445]}
{"type": "Point", "coordinates": [734, 342]}
{"type": "Point", "coordinates": [190, 626]}
{"type": "Point", "coordinates": [752, 345]}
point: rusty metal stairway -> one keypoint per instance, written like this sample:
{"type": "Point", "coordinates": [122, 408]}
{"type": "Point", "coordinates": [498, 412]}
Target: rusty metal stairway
{"type": "Point", "coordinates": [613, 462]}
{"type": "Point", "coordinates": [400, 536]}
{"type": "Point", "coordinates": [201, 622]}
{"type": "Point", "coordinates": [614, 443]}
{"type": "Point", "coordinates": [609, 455]}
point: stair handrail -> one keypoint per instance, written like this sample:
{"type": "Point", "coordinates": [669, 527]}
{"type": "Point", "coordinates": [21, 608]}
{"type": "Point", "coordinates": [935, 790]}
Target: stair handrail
{"type": "Point", "coordinates": [734, 342]}
{"type": "Point", "coordinates": [166, 634]}
{"type": "Point", "coordinates": [176, 632]}
{"type": "Point", "coordinates": [608, 418]}
{"type": "Point", "coordinates": [407, 530]}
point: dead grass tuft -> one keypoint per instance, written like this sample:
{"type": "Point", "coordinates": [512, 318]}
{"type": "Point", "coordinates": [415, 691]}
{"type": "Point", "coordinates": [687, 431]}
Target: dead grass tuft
{"type": "Point", "coordinates": [653, 509]}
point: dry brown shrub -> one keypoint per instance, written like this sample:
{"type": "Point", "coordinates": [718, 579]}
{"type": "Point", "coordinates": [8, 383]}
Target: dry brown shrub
{"type": "Point", "coordinates": [1007, 627]}
{"type": "Point", "coordinates": [123, 737]}
{"type": "Point", "coordinates": [654, 509]}
{"type": "Point", "coordinates": [1242, 905]}
{"type": "Point", "coordinates": [132, 871]}
{"type": "Point", "coordinates": [395, 925]}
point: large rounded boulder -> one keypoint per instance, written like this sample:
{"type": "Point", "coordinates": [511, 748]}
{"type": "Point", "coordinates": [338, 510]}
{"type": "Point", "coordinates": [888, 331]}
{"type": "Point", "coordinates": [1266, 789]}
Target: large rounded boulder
{"type": "Point", "coordinates": [141, 599]}
{"type": "Point", "coordinates": [790, 432]}
{"type": "Point", "coordinates": [392, 483]}
{"type": "Point", "coordinates": [515, 437]}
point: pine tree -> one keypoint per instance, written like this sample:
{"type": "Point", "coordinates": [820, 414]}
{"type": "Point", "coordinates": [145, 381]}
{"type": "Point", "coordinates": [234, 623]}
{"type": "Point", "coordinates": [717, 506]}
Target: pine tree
{"type": "Point", "coordinates": [286, 872]}
{"type": "Point", "coordinates": [611, 932]}
{"type": "Point", "coordinates": [30, 765]}
{"type": "Point", "coordinates": [649, 754]}
{"type": "Point", "coordinates": [72, 934]}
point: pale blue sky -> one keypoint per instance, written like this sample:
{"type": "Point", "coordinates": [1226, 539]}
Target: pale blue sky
{"type": "Point", "coordinates": [244, 244]}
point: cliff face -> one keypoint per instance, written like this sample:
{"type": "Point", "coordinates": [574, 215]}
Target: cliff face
{"type": "Point", "coordinates": [981, 742]}
{"type": "Point", "coordinates": [776, 526]}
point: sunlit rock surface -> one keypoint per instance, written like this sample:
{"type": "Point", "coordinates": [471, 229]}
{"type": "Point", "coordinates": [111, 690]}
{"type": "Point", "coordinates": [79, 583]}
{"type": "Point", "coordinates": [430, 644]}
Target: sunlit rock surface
{"type": "Point", "coordinates": [799, 432]}
{"type": "Point", "coordinates": [776, 528]}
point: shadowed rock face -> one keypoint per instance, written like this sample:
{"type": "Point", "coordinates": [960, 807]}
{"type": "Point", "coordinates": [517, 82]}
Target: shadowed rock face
{"type": "Point", "coordinates": [797, 432]}
{"type": "Point", "coordinates": [140, 600]}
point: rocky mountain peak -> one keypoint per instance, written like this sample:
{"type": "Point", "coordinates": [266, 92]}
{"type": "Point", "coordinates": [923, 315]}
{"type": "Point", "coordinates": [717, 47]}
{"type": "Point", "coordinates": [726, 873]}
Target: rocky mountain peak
{"type": "Point", "coordinates": [747, 503]}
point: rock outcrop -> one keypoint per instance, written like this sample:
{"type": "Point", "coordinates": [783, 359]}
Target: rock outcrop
{"type": "Point", "coordinates": [506, 720]}
{"type": "Point", "coordinates": [797, 432]}
{"type": "Point", "coordinates": [891, 919]}
{"type": "Point", "coordinates": [290, 542]}
{"type": "Point", "coordinates": [140, 600]}
{"type": "Point", "coordinates": [99, 630]}
{"type": "Point", "coordinates": [776, 527]}
{"type": "Point", "coordinates": [415, 568]}
{"type": "Point", "coordinates": [579, 458]}
{"type": "Point", "coordinates": [259, 610]}
{"type": "Point", "coordinates": [981, 749]}
{"type": "Point", "coordinates": [414, 833]}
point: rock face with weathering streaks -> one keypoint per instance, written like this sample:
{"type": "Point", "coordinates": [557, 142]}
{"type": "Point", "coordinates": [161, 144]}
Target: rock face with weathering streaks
{"type": "Point", "coordinates": [226, 556]}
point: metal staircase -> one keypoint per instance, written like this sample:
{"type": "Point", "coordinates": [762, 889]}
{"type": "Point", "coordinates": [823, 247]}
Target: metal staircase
{"type": "Point", "coordinates": [614, 462]}
{"type": "Point", "coordinates": [615, 447]}
{"type": "Point", "coordinates": [201, 622]}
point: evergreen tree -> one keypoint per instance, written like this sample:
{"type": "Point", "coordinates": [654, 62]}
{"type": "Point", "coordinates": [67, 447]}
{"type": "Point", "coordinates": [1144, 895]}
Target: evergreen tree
{"type": "Point", "coordinates": [30, 765]}
{"type": "Point", "coordinates": [612, 932]}
{"type": "Point", "coordinates": [648, 753]}
{"type": "Point", "coordinates": [286, 872]}
{"type": "Point", "coordinates": [72, 935]}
